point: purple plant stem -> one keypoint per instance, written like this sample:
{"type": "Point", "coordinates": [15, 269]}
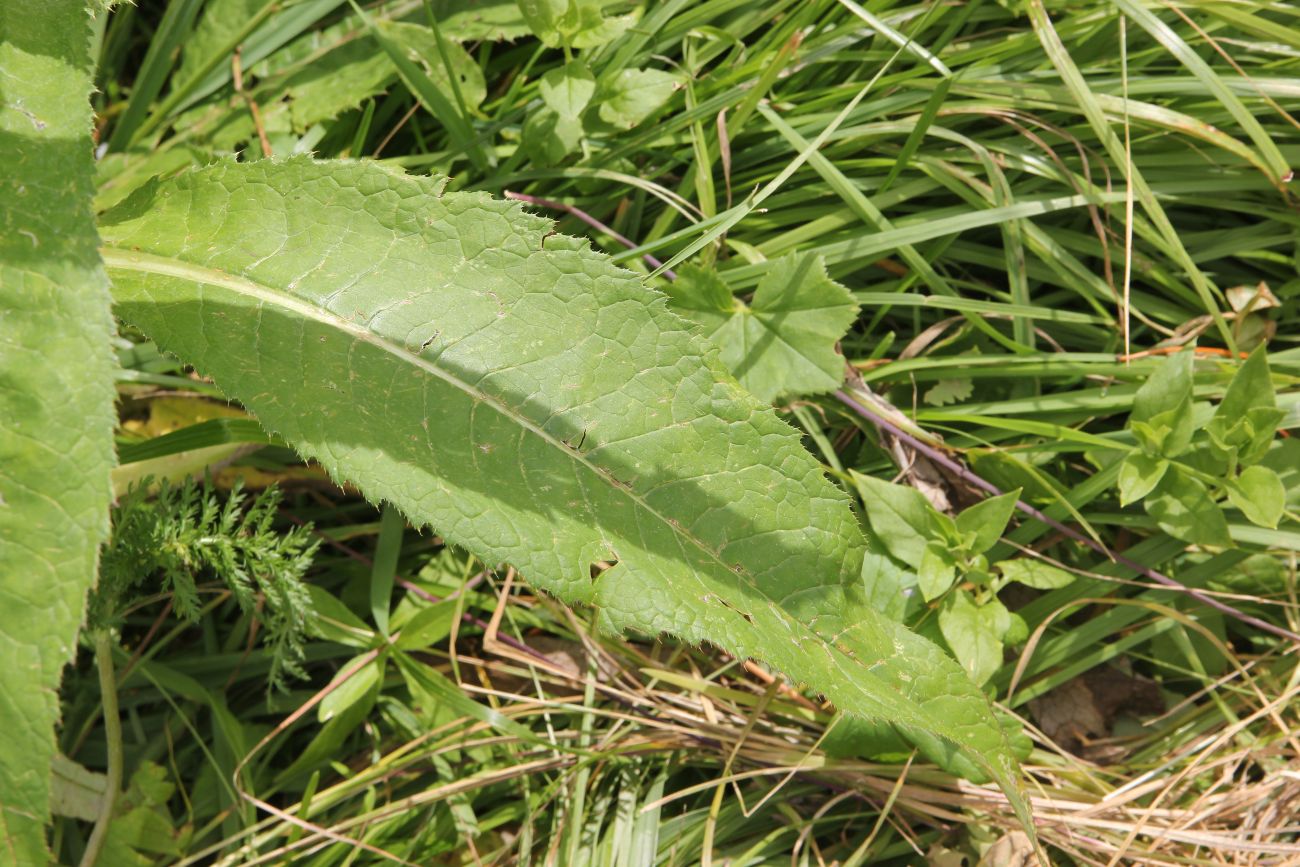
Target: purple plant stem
{"type": "Point", "coordinates": [590, 221]}
{"type": "Point", "coordinates": [960, 471]}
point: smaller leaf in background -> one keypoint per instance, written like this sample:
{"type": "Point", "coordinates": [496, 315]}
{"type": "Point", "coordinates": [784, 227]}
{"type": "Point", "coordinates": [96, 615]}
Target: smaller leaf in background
{"type": "Point", "coordinates": [479, 20]}
{"type": "Point", "coordinates": [142, 828]}
{"type": "Point", "coordinates": [1184, 509]}
{"type": "Point", "coordinates": [421, 45]}
{"type": "Point", "coordinates": [889, 587]}
{"type": "Point", "coordinates": [343, 78]}
{"type": "Point", "coordinates": [549, 137]}
{"type": "Point", "coordinates": [1013, 849]}
{"type": "Point", "coordinates": [987, 520]}
{"type": "Point", "coordinates": [1166, 388]}
{"type": "Point", "coordinates": [428, 626]}
{"type": "Point", "coordinates": [1254, 326]}
{"type": "Point", "coordinates": [974, 632]}
{"type": "Point", "coordinates": [567, 89]}
{"type": "Point", "coordinates": [1247, 418]}
{"type": "Point", "coordinates": [937, 571]}
{"type": "Point", "coordinates": [75, 790]}
{"type": "Point", "coordinates": [1138, 476]}
{"type": "Point", "coordinates": [1262, 423]}
{"type": "Point", "coordinates": [901, 516]}
{"type": "Point", "coordinates": [1249, 437]}
{"type": "Point", "coordinates": [947, 391]}
{"type": "Point", "coordinates": [977, 571]}
{"type": "Point", "coordinates": [1260, 495]}
{"type": "Point", "coordinates": [349, 691]}
{"type": "Point", "coordinates": [783, 342]}
{"type": "Point", "coordinates": [572, 23]}
{"type": "Point", "coordinates": [634, 94]}
{"type": "Point", "coordinates": [1150, 438]}
{"type": "Point", "coordinates": [1285, 461]}
{"type": "Point", "coordinates": [1017, 630]}
{"type": "Point", "coordinates": [609, 29]}
{"type": "Point", "coordinates": [1168, 433]}
{"type": "Point", "coordinates": [1250, 387]}
{"type": "Point", "coordinates": [701, 295]}
{"type": "Point", "coordinates": [336, 622]}
{"type": "Point", "coordinates": [1035, 573]}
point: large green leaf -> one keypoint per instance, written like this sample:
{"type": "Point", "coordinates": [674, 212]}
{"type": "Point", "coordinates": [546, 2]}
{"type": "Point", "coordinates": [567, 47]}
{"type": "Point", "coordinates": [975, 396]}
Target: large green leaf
{"type": "Point", "coordinates": [532, 403]}
{"type": "Point", "coordinates": [56, 394]}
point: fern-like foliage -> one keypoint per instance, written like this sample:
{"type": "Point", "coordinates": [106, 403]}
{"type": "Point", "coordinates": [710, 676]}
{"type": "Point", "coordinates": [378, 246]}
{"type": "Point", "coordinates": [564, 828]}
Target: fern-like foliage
{"type": "Point", "coordinates": [180, 536]}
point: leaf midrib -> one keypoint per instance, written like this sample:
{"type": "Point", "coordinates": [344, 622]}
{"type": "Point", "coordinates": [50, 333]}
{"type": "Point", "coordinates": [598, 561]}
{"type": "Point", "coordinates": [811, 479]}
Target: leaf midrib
{"type": "Point", "coordinates": [134, 260]}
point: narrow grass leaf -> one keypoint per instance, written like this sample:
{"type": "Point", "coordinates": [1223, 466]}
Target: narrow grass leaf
{"type": "Point", "coordinates": [428, 93]}
{"type": "Point", "coordinates": [1092, 109]}
{"type": "Point", "coordinates": [1187, 56]}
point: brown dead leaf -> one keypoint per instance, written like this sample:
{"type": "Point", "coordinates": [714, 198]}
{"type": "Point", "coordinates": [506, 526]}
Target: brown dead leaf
{"type": "Point", "coordinates": [566, 658]}
{"type": "Point", "coordinates": [941, 856]}
{"type": "Point", "coordinates": [1247, 299]}
{"type": "Point", "coordinates": [1081, 711]}
{"type": "Point", "coordinates": [1011, 850]}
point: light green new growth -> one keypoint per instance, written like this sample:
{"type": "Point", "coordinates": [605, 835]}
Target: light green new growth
{"type": "Point", "coordinates": [783, 341]}
{"type": "Point", "coordinates": [534, 404]}
{"type": "Point", "coordinates": [56, 394]}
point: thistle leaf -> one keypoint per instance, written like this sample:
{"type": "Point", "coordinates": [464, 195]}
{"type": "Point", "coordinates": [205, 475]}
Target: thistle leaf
{"type": "Point", "coordinates": [535, 405]}
{"type": "Point", "coordinates": [56, 396]}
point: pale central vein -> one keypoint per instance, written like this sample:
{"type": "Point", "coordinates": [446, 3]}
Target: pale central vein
{"type": "Point", "coordinates": [140, 262]}
{"type": "Point", "coordinates": [131, 260]}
